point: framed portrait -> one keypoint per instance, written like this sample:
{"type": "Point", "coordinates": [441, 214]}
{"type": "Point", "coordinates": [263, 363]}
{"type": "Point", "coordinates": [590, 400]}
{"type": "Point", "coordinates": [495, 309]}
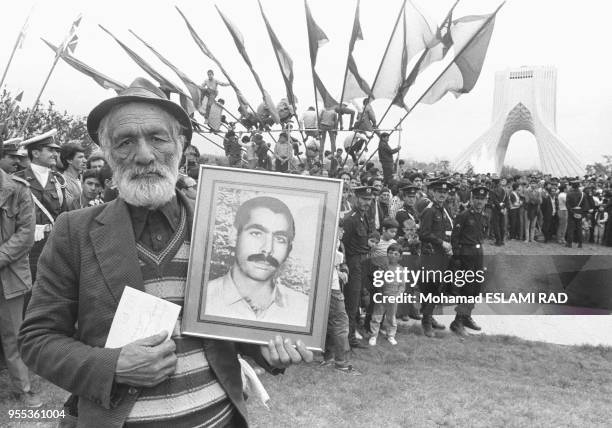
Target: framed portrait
{"type": "Point", "coordinates": [262, 256]}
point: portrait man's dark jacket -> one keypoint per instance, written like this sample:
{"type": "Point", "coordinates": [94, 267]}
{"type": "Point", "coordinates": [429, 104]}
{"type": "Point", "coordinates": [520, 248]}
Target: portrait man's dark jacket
{"type": "Point", "coordinates": [89, 259]}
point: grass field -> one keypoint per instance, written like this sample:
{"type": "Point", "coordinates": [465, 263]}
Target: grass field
{"type": "Point", "coordinates": [481, 381]}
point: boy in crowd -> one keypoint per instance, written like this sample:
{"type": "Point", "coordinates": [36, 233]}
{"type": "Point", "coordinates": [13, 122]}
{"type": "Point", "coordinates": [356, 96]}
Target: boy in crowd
{"type": "Point", "coordinates": [336, 342]}
{"type": "Point", "coordinates": [382, 307]}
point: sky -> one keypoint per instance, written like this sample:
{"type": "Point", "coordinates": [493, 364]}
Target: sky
{"type": "Point", "coordinates": [570, 36]}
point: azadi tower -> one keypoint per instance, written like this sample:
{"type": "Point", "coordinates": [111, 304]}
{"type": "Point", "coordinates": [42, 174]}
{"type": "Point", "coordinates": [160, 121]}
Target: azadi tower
{"type": "Point", "coordinates": [525, 99]}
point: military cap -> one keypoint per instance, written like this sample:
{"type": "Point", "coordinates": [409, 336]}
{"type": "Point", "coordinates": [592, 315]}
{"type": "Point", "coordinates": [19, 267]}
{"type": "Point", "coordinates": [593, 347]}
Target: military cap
{"type": "Point", "coordinates": [364, 191]}
{"type": "Point", "coordinates": [11, 146]}
{"type": "Point", "coordinates": [410, 190]}
{"type": "Point", "coordinates": [141, 90]}
{"type": "Point", "coordinates": [575, 183]}
{"type": "Point", "coordinates": [440, 185]}
{"type": "Point", "coordinates": [43, 140]}
{"type": "Point", "coordinates": [480, 192]}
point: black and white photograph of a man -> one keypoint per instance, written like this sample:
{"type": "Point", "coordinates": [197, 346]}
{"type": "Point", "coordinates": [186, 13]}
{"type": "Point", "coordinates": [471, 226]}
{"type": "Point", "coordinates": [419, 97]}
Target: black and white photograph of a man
{"type": "Point", "coordinates": [259, 281]}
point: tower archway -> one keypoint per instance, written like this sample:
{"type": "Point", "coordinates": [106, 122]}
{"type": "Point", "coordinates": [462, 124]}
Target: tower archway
{"type": "Point", "coordinates": [524, 99]}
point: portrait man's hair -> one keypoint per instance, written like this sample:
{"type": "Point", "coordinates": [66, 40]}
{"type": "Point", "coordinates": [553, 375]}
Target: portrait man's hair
{"type": "Point", "coordinates": [275, 205]}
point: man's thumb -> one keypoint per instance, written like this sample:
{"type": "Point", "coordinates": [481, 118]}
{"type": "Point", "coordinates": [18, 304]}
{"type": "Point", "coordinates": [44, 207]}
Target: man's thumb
{"type": "Point", "coordinates": [154, 340]}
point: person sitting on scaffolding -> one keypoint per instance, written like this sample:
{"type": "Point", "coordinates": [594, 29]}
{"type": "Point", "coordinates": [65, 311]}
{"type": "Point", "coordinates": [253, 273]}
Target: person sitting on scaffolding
{"type": "Point", "coordinates": [210, 91]}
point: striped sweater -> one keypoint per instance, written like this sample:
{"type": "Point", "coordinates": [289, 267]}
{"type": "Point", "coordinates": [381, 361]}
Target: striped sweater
{"type": "Point", "coordinates": [192, 396]}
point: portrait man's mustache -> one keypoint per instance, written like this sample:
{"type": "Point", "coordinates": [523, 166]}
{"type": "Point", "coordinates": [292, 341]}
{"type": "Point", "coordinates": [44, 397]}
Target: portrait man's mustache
{"type": "Point", "coordinates": [260, 257]}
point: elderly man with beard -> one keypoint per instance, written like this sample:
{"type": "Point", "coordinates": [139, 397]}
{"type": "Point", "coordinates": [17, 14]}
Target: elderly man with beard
{"type": "Point", "coordinates": [140, 240]}
{"type": "Point", "coordinates": [251, 289]}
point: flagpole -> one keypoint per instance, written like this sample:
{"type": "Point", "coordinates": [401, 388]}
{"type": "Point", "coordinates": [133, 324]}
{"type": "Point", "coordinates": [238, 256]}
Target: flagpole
{"type": "Point", "coordinates": [17, 42]}
{"type": "Point", "coordinates": [467, 45]}
{"type": "Point", "coordinates": [55, 61]}
{"type": "Point", "coordinates": [35, 105]}
{"type": "Point", "coordinates": [312, 70]}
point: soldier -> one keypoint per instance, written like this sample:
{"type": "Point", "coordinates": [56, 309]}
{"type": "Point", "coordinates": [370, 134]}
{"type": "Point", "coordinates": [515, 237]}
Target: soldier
{"type": "Point", "coordinates": [576, 208]}
{"type": "Point", "coordinates": [11, 156]}
{"type": "Point", "coordinates": [498, 200]}
{"type": "Point", "coordinates": [16, 238]}
{"type": "Point", "coordinates": [435, 231]}
{"type": "Point", "coordinates": [47, 187]}
{"type": "Point", "coordinates": [467, 238]}
{"type": "Point", "coordinates": [357, 228]}
{"type": "Point", "coordinates": [409, 194]}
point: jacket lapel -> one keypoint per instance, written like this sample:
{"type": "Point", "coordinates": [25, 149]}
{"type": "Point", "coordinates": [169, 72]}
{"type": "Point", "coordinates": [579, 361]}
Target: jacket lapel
{"type": "Point", "coordinates": [6, 187]}
{"type": "Point", "coordinates": [115, 248]}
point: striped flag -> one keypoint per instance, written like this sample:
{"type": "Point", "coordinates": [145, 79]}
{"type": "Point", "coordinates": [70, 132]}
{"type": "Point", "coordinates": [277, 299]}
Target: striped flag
{"type": "Point", "coordinates": [71, 41]}
{"type": "Point", "coordinates": [102, 80]}
{"type": "Point", "coordinates": [282, 57]}
{"type": "Point", "coordinates": [239, 42]}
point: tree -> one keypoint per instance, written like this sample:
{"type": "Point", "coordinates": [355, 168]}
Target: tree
{"type": "Point", "coordinates": [599, 168]}
{"type": "Point", "coordinates": [68, 127]}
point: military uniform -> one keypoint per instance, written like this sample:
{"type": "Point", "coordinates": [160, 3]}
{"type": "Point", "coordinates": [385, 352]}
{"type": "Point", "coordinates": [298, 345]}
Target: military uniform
{"type": "Point", "coordinates": [407, 211]}
{"type": "Point", "coordinates": [435, 228]}
{"type": "Point", "coordinates": [576, 208]}
{"type": "Point", "coordinates": [498, 199]}
{"type": "Point", "coordinates": [467, 239]}
{"type": "Point", "coordinates": [357, 228]}
{"type": "Point", "coordinates": [52, 197]}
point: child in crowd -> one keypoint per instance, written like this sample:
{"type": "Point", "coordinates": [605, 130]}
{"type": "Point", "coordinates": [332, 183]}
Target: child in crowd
{"type": "Point", "coordinates": [389, 230]}
{"type": "Point", "coordinates": [384, 308]}
{"type": "Point", "coordinates": [411, 251]}
{"type": "Point", "coordinates": [336, 342]}
{"type": "Point", "coordinates": [601, 218]}
{"type": "Point", "coordinates": [586, 228]}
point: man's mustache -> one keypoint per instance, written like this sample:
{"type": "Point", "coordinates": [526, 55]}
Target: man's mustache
{"type": "Point", "coordinates": [259, 257]}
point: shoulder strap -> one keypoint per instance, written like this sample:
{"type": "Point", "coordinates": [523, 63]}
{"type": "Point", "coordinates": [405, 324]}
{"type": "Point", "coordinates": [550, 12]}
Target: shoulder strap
{"type": "Point", "coordinates": [43, 209]}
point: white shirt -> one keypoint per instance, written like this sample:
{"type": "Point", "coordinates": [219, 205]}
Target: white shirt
{"type": "Point", "coordinates": [286, 307]}
{"type": "Point", "coordinates": [561, 197]}
{"type": "Point", "coordinates": [41, 173]}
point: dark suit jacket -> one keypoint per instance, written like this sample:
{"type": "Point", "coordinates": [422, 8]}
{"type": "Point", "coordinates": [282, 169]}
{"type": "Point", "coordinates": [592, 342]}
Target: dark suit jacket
{"type": "Point", "coordinates": [89, 259]}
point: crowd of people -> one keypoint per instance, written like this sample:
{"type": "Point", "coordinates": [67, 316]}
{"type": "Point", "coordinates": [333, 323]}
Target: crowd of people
{"type": "Point", "coordinates": [133, 200]}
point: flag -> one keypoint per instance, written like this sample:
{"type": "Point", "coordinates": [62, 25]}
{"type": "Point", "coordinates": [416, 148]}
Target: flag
{"type": "Point", "coordinates": [322, 92]}
{"type": "Point", "coordinates": [242, 102]}
{"type": "Point", "coordinates": [166, 85]}
{"type": "Point", "coordinates": [409, 81]}
{"type": "Point", "coordinates": [71, 41]}
{"type": "Point", "coordinates": [354, 85]}
{"type": "Point", "coordinates": [316, 36]}
{"type": "Point", "coordinates": [471, 36]}
{"type": "Point", "coordinates": [102, 80]}
{"type": "Point", "coordinates": [282, 57]}
{"type": "Point", "coordinates": [22, 33]}
{"type": "Point", "coordinates": [411, 34]}
{"type": "Point", "coordinates": [194, 89]}
{"type": "Point", "coordinates": [239, 42]}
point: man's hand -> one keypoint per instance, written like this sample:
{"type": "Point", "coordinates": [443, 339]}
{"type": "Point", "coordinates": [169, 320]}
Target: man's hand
{"type": "Point", "coordinates": [280, 353]}
{"type": "Point", "coordinates": [146, 362]}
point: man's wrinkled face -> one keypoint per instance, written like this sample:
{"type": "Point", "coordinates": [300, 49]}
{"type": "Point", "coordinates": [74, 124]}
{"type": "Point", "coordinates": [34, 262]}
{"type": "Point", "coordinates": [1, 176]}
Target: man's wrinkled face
{"type": "Point", "coordinates": [263, 244]}
{"type": "Point", "coordinates": [91, 188]}
{"type": "Point", "coordinates": [45, 156]}
{"type": "Point", "coordinates": [144, 153]}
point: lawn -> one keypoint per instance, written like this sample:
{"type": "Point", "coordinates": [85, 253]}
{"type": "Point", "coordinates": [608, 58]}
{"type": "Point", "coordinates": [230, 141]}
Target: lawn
{"type": "Point", "coordinates": [480, 381]}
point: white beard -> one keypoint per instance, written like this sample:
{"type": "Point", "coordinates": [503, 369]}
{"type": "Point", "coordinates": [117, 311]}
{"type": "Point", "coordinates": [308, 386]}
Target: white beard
{"type": "Point", "coordinates": [142, 190]}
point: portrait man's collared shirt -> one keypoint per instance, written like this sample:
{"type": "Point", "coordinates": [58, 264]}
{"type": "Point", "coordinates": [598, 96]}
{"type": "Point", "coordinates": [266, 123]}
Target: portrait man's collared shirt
{"type": "Point", "coordinates": [287, 306]}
